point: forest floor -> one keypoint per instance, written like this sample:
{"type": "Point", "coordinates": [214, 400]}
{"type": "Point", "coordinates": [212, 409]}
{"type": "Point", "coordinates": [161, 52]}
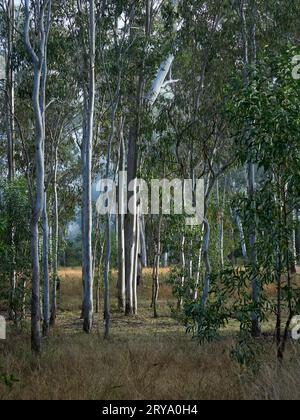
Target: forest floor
{"type": "Point", "coordinates": [144, 358]}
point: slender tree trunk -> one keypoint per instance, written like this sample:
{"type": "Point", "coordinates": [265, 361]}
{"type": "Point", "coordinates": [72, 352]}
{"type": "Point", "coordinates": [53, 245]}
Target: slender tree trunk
{"type": "Point", "coordinates": [143, 242]}
{"type": "Point", "coordinates": [222, 226]}
{"type": "Point", "coordinates": [164, 69]}
{"type": "Point", "coordinates": [106, 278]}
{"type": "Point", "coordinates": [10, 103]}
{"type": "Point", "coordinates": [97, 235]}
{"type": "Point", "coordinates": [10, 91]}
{"type": "Point", "coordinates": [87, 181]}
{"type": "Point", "coordinates": [294, 242]}
{"type": "Point", "coordinates": [191, 270]}
{"type": "Point", "coordinates": [108, 230]}
{"type": "Point", "coordinates": [46, 291]}
{"type": "Point", "coordinates": [165, 260]}
{"type": "Point", "coordinates": [121, 239]}
{"type": "Point", "coordinates": [156, 268]}
{"type": "Point", "coordinates": [38, 204]}
{"type": "Point", "coordinates": [132, 161]}
{"type": "Point", "coordinates": [198, 273]}
{"type": "Point", "coordinates": [207, 263]}
{"type": "Point", "coordinates": [55, 231]}
{"type": "Point", "coordinates": [130, 225]}
{"type": "Point", "coordinates": [98, 279]}
{"type": "Point", "coordinates": [183, 268]}
{"type": "Point", "coordinates": [136, 260]}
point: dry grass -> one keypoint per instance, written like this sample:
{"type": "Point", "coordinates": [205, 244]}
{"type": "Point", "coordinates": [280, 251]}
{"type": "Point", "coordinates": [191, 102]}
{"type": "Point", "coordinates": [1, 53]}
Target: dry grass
{"type": "Point", "coordinates": [143, 359]}
{"type": "Point", "coordinates": [274, 382]}
{"type": "Point", "coordinates": [90, 369]}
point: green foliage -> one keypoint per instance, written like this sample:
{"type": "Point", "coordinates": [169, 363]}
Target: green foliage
{"type": "Point", "coordinates": [7, 379]}
{"type": "Point", "coordinates": [15, 216]}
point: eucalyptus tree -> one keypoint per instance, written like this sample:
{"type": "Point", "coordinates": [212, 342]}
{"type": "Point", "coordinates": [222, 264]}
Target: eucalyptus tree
{"type": "Point", "coordinates": [41, 21]}
{"type": "Point", "coordinates": [7, 8]}
{"type": "Point", "coordinates": [8, 11]}
{"type": "Point", "coordinates": [202, 141]}
{"type": "Point", "coordinates": [278, 190]}
{"type": "Point", "coordinates": [87, 12]}
{"type": "Point", "coordinates": [143, 103]}
{"type": "Point", "coordinates": [113, 41]}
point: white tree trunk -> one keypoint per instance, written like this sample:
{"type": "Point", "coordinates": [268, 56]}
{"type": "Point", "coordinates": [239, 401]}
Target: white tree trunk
{"type": "Point", "coordinates": [10, 90]}
{"type": "Point", "coordinates": [87, 176]}
{"type": "Point", "coordinates": [242, 238]}
{"type": "Point", "coordinates": [121, 234]}
{"type": "Point", "coordinates": [164, 69]}
{"type": "Point", "coordinates": [46, 291]}
{"type": "Point", "coordinates": [39, 62]}
{"type": "Point", "coordinates": [55, 227]}
{"type": "Point", "coordinates": [199, 266]}
{"type": "Point", "coordinates": [206, 262]}
{"type": "Point", "coordinates": [143, 242]}
{"type": "Point", "coordinates": [136, 260]}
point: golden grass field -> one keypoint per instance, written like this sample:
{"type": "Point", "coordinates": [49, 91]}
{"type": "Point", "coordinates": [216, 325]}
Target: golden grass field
{"type": "Point", "coordinates": [145, 358]}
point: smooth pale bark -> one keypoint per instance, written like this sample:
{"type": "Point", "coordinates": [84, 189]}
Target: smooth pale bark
{"type": "Point", "coordinates": [191, 268]}
{"type": "Point", "coordinates": [97, 263]}
{"type": "Point", "coordinates": [10, 91]}
{"type": "Point", "coordinates": [88, 305]}
{"type": "Point", "coordinates": [165, 260]}
{"type": "Point", "coordinates": [199, 266]}
{"type": "Point", "coordinates": [136, 260]}
{"type": "Point", "coordinates": [97, 235]}
{"type": "Point", "coordinates": [98, 279]}
{"type": "Point", "coordinates": [242, 236]}
{"type": "Point", "coordinates": [121, 230]}
{"type": "Point", "coordinates": [46, 289]}
{"type": "Point", "coordinates": [143, 242]}
{"type": "Point", "coordinates": [164, 69]}
{"type": "Point", "coordinates": [131, 245]}
{"type": "Point", "coordinates": [108, 224]}
{"type": "Point", "coordinates": [45, 222]}
{"type": "Point", "coordinates": [206, 262]}
{"type": "Point", "coordinates": [130, 225]}
{"type": "Point", "coordinates": [297, 236]}
{"type": "Point", "coordinates": [106, 278]}
{"type": "Point", "coordinates": [132, 166]}
{"type": "Point", "coordinates": [132, 160]}
{"type": "Point", "coordinates": [37, 205]}
{"type": "Point", "coordinates": [54, 250]}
